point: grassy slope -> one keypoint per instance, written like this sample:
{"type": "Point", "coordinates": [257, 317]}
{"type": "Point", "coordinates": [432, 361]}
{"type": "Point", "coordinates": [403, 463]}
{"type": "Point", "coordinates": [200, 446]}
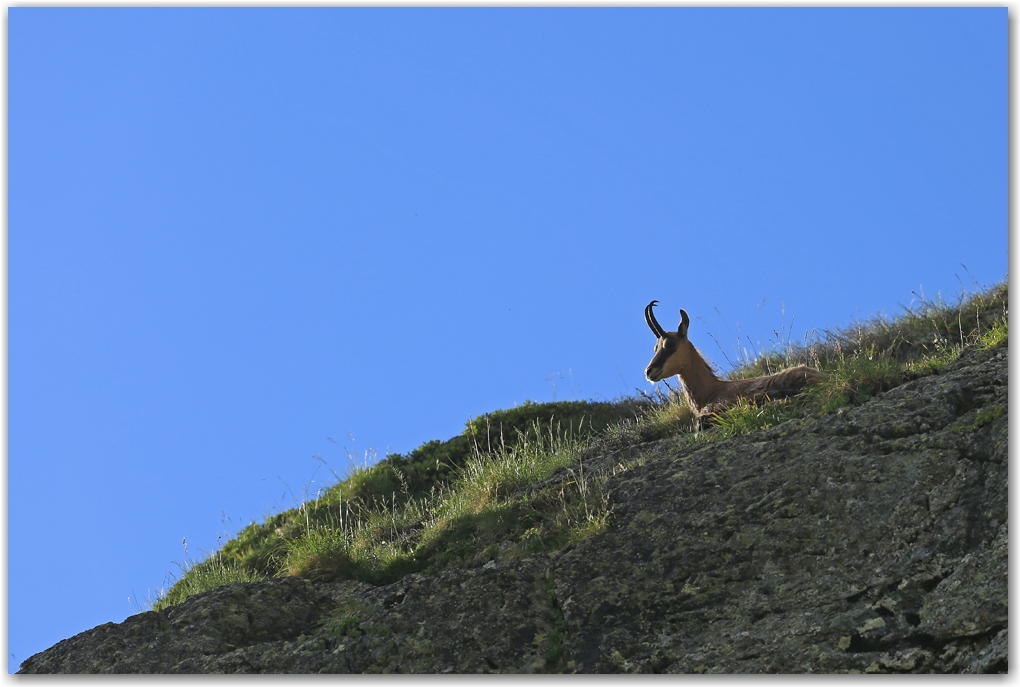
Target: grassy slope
{"type": "Point", "coordinates": [462, 501]}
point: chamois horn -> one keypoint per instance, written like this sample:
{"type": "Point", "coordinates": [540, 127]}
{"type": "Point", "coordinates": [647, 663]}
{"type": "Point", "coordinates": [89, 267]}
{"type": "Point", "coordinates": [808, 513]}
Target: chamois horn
{"type": "Point", "coordinates": [652, 323]}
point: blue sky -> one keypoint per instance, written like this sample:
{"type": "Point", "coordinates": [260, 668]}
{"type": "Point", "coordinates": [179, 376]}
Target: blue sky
{"type": "Point", "coordinates": [237, 236]}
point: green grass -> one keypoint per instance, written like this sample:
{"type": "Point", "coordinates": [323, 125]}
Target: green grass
{"type": "Point", "coordinates": [744, 417]}
{"type": "Point", "coordinates": [420, 477]}
{"type": "Point", "coordinates": [865, 359]}
{"type": "Point", "coordinates": [477, 506]}
{"type": "Point", "coordinates": [201, 577]}
{"type": "Point", "coordinates": [516, 481]}
{"type": "Point", "coordinates": [485, 510]}
{"type": "Point", "coordinates": [855, 378]}
{"type": "Point", "coordinates": [997, 336]}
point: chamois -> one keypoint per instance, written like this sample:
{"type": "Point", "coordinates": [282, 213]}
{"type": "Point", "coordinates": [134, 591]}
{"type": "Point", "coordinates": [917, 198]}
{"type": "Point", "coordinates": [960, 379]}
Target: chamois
{"type": "Point", "coordinates": [676, 355]}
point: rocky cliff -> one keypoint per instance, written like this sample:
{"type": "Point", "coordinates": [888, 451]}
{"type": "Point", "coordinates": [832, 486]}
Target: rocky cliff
{"type": "Point", "coordinates": [870, 539]}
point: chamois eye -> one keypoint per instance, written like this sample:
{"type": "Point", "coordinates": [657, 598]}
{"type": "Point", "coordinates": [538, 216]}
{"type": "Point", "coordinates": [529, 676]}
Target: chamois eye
{"type": "Point", "coordinates": [670, 344]}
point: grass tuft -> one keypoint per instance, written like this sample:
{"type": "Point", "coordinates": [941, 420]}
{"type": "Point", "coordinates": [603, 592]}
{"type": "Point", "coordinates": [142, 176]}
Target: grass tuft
{"type": "Point", "coordinates": [202, 577]}
{"type": "Point", "coordinates": [997, 336]}
{"type": "Point", "coordinates": [487, 512]}
{"type": "Point", "coordinates": [855, 378]}
{"type": "Point", "coordinates": [745, 417]}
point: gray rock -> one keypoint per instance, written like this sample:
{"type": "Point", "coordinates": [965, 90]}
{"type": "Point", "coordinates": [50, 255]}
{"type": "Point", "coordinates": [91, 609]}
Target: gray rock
{"type": "Point", "coordinates": [873, 539]}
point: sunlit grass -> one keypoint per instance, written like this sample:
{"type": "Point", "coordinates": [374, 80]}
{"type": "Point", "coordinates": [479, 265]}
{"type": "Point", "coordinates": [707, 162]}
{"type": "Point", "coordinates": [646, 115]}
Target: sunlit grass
{"type": "Point", "coordinates": [744, 417]}
{"type": "Point", "coordinates": [202, 577]}
{"type": "Point", "coordinates": [997, 336]}
{"type": "Point", "coordinates": [854, 378]}
{"type": "Point", "coordinates": [485, 509]}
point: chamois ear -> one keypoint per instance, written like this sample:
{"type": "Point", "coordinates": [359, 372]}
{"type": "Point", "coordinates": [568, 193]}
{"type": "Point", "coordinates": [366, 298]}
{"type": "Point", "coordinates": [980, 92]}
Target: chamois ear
{"type": "Point", "coordinates": [684, 322]}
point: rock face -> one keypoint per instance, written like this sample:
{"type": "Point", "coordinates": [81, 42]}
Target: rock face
{"type": "Point", "coordinates": [873, 539]}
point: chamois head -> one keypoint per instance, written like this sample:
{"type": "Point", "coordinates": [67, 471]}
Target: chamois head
{"type": "Point", "coordinates": [673, 352]}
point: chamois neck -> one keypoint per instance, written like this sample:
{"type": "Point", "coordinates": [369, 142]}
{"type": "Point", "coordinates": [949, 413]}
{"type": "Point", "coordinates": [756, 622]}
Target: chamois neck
{"type": "Point", "coordinates": [701, 383]}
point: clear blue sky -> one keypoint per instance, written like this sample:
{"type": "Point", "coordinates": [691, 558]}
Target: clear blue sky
{"type": "Point", "coordinates": [237, 233]}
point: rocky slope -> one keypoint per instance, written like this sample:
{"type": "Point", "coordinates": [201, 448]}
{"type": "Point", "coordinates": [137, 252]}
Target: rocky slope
{"type": "Point", "coordinates": [873, 539]}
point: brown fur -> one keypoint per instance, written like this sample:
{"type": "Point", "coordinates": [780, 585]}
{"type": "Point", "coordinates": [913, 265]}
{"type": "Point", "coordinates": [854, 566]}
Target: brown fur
{"type": "Point", "coordinates": [707, 393]}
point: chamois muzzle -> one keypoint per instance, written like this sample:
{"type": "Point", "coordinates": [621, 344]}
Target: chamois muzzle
{"type": "Point", "coordinates": [653, 373]}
